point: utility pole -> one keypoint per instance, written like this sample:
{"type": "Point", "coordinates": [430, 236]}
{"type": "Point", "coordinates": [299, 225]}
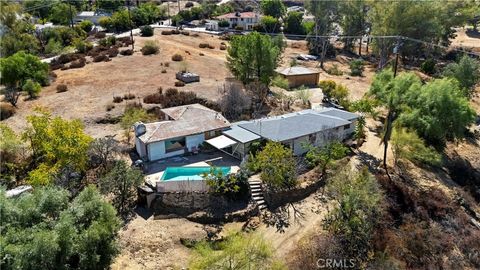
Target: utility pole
{"type": "Point", "coordinates": [131, 26]}
{"type": "Point", "coordinates": [71, 14]}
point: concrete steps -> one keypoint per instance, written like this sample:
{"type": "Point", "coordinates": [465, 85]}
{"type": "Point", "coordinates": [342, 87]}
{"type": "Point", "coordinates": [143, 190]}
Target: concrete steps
{"type": "Point", "coordinates": [257, 193]}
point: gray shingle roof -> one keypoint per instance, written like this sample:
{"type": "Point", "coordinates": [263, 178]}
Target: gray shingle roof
{"type": "Point", "coordinates": [294, 125]}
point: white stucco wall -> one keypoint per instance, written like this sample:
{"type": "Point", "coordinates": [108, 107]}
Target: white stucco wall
{"type": "Point", "coordinates": [140, 147]}
{"type": "Point", "coordinates": [194, 140]}
{"type": "Point", "coordinates": [182, 186]}
{"type": "Point", "coordinates": [156, 151]}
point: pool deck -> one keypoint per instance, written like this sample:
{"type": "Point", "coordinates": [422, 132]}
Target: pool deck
{"type": "Point", "coordinates": [154, 170]}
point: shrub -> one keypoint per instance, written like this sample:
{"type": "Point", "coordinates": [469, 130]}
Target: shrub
{"type": "Point", "coordinates": [100, 58]}
{"type": "Point", "coordinates": [82, 46]}
{"type": "Point", "coordinates": [175, 32]}
{"type": "Point", "coordinates": [78, 63]}
{"type": "Point", "coordinates": [86, 25]}
{"type": "Point", "coordinates": [117, 99]}
{"type": "Point", "coordinates": [177, 57]}
{"type": "Point", "coordinates": [32, 88]}
{"type": "Point", "coordinates": [128, 96]}
{"type": "Point", "coordinates": [185, 33]}
{"type": "Point", "coordinates": [126, 52]}
{"type": "Point", "coordinates": [100, 35]}
{"type": "Point", "coordinates": [179, 83]}
{"type": "Point", "coordinates": [203, 45]}
{"type": "Point", "coordinates": [166, 64]}
{"type": "Point", "coordinates": [281, 82]}
{"type": "Point", "coordinates": [164, 71]}
{"type": "Point", "coordinates": [201, 54]}
{"type": "Point", "coordinates": [428, 66]}
{"type": "Point", "coordinates": [211, 47]}
{"type": "Point", "coordinates": [112, 52]}
{"type": "Point", "coordinates": [6, 111]}
{"type": "Point", "coordinates": [189, 4]}
{"type": "Point", "coordinates": [166, 32]}
{"type": "Point", "coordinates": [334, 70]}
{"type": "Point", "coordinates": [239, 28]}
{"type": "Point", "coordinates": [356, 67]}
{"type": "Point", "coordinates": [62, 88]}
{"type": "Point", "coordinates": [223, 23]}
{"type": "Point", "coordinates": [110, 107]}
{"type": "Point", "coordinates": [146, 31]}
{"type": "Point", "coordinates": [223, 47]}
{"type": "Point", "coordinates": [150, 47]}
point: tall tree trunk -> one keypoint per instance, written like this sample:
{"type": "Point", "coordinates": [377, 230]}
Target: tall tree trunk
{"type": "Point", "coordinates": [360, 47]}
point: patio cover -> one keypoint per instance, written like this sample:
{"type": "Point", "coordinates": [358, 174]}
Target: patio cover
{"type": "Point", "coordinates": [221, 142]}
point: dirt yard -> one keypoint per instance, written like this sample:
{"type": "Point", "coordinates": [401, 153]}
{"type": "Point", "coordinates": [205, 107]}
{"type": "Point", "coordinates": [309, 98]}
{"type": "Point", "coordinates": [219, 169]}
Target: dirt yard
{"type": "Point", "coordinates": [91, 88]}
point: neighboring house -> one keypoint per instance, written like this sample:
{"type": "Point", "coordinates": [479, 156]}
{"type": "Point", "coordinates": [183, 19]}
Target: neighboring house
{"type": "Point", "coordinates": [93, 16]}
{"type": "Point", "coordinates": [211, 25]}
{"type": "Point", "coordinates": [298, 76]}
{"type": "Point", "coordinates": [185, 128]}
{"type": "Point", "coordinates": [245, 20]}
{"type": "Point", "coordinates": [294, 130]}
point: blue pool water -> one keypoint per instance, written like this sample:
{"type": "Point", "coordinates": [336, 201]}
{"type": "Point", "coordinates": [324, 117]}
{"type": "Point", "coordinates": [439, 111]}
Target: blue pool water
{"type": "Point", "coordinates": [190, 173]}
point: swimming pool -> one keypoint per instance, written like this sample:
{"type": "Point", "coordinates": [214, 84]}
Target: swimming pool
{"type": "Point", "coordinates": [189, 173]}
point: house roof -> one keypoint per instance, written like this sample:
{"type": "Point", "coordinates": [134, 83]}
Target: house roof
{"type": "Point", "coordinates": [293, 125]}
{"type": "Point", "coordinates": [240, 134]}
{"type": "Point", "coordinates": [238, 15]}
{"type": "Point", "coordinates": [339, 113]}
{"type": "Point", "coordinates": [296, 70]}
{"type": "Point", "coordinates": [188, 120]}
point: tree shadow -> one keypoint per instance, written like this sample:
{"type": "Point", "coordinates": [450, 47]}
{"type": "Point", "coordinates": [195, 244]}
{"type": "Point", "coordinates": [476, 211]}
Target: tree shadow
{"type": "Point", "coordinates": [143, 212]}
{"type": "Point", "coordinates": [371, 161]}
{"type": "Point", "coordinates": [281, 217]}
{"type": "Point", "coordinates": [472, 34]}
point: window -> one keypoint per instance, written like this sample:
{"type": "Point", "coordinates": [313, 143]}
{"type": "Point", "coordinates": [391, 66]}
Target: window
{"type": "Point", "coordinates": [174, 144]}
{"type": "Point", "coordinates": [346, 127]}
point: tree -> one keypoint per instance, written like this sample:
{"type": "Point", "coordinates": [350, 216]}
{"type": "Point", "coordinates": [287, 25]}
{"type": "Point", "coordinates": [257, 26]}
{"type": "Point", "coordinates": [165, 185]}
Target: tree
{"type": "Point", "coordinates": [147, 13]}
{"type": "Point", "coordinates": [234, 102]}
{"type": "Point", "coordinates": [109, 5]}
{"type": "Point", "coordinates": [102, 152]}
{"type": "Point", "coordinates": [12, 152]}
{"type": "Point", "coordinates": [407, 145]}
{"type": "Point", "coordinates": [359, 134]}
{"type": "Point", "coordinates": [325, 16]}
{"type": "Point", "coordinates": [252, 57]}
{"type": "Point", "coordinates": [466, 72]}
{"type": "Point", "coordinates": [294, 23]}
{"type": "Point", "coordinates": [121, 182]}
{"type": "Point", "coordinates": [130, 117]}
{"type": "Point", "coordinates": [55, 143]}
{"type": "Point", "coordinates": [17, 31]}
{"type": "Point", "coordinates": [19, 68]}
{"type": "Point", "coordinates": [269, 24]}
{"type": "Point", "coordinates": [277, 166]}
{"type": "Point", "coordinates": [61, 13]}
{"type": "Point", "coordinates": [392, 92]}
{"type": "Point", "coordinates": [274, 8]}
{"type": "Point", "coordinates": [439, 112]}
{"type": "Point", "coordinates": [44, 230]}
{"type": "Point", "coordinates": [32, 88]}
{"type": "Point", "coordinates": [40, 8]}
{"type": "Point", "coordinates": [239, 250]}
{"type": "Point", "coordinates": [232, 186]}
{"type": "Point", "coordinates": [354, 216]}
{"type": "Point", "coordinates": [353, 20]}
{"type": "Point", "coordinates": [356, 67]}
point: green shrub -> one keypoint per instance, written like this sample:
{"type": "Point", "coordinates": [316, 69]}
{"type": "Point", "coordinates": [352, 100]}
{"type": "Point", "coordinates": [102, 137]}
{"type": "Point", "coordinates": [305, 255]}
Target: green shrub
{"type": "Point", "coordinates": [32, 88]}
{"type": "Point", "coordinates": [150, 47]}
{"type": "Point", "coordinates": [86, 25]}
{"type": "Point", "coordinates": [232, 186]}
{"type": "Point", "coordinates": [281, 82]}
{"type": "Point", "coordinates": [277, 166]}
{"type": "Point", "coordinates": [53, 47]}
{"type": "Point", "coordinates": [82, 46]}
{"type": "Point", "coordinates": [356, 67]}
{"type": "Point", "coordinates": [223, 23]}
{"type": "Point", "coordinates": [428, 66]}
{"type": "Point", "coordinates": [146, 31]}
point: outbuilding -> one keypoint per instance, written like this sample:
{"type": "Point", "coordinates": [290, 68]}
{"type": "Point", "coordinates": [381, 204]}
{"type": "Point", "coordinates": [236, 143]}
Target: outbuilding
{"type": "Point", "coordinates": [298, 76]}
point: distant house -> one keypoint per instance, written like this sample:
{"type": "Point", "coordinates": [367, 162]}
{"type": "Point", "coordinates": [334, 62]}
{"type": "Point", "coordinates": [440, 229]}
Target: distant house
{"type": "Point", "coordinates": [298, 76]}
{"type": "Point", "coordinates": [185, 128]}
{"type": "Point", "coordinates": [93, 16]}
{"type": "Point", "coordinates": [294, 130]}
{"type": "Point", "coordinates": [245, 20]}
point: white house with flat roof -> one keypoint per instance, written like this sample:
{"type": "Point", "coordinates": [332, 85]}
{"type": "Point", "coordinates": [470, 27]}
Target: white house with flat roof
{"type": "Point", "coordinates": [295, 130]}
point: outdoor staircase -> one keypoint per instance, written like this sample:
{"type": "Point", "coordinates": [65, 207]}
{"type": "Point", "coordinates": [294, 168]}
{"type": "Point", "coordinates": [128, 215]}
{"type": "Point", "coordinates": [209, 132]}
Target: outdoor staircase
{"type": "Point", "coordinates": [257, 193]}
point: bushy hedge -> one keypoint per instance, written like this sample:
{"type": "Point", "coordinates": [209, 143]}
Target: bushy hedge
{"type": "Point", "coordinates": [146, 31]}
{"type": "Point", "coordinates": [150, 47]}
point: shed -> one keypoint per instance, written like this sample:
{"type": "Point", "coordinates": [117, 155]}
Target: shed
{"type": "Point", "coordinates": [298, 76]}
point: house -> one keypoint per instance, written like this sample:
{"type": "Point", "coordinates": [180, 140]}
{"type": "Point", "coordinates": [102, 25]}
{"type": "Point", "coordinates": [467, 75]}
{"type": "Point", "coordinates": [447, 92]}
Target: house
{"type": "Point", "coordinates": [243, 20]}
{"type": "Point", "coordinates": [184, 129]}
{"type": "Point", "coordinates": [93, 16]}
{"type": "Point", "coordinates": [298, 76]}
{"type": "Point", "coordinates": [211, 25]}
{"type": "Point", "coordinates": [294, 130]}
